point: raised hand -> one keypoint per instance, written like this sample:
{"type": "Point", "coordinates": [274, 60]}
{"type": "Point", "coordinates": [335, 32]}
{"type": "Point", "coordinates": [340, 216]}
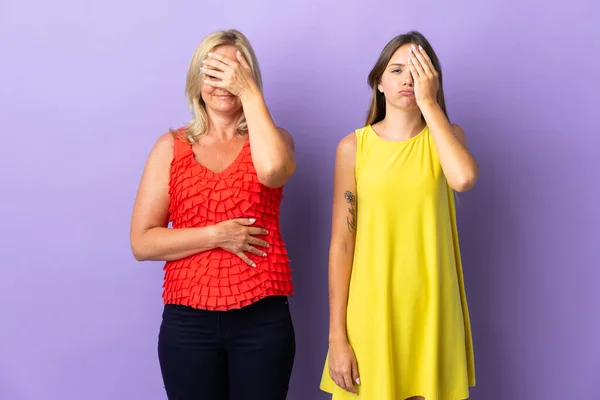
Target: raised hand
{"type": "Point", "coordinates": [222, 72]}
{"type": "Point", "coordinates": [424, 75]}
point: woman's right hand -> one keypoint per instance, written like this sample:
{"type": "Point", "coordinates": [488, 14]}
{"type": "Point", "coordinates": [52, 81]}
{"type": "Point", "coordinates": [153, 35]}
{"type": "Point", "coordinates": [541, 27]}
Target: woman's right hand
{"type": "Point", "coordinates": [237, 237]}
{"type": "Point", "coordinates": [343, 367]}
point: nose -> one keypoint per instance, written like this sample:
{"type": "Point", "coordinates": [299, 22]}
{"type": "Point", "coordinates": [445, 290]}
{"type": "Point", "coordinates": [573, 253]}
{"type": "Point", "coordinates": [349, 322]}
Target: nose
{"type": "Point", "coordinates": [407, 79]}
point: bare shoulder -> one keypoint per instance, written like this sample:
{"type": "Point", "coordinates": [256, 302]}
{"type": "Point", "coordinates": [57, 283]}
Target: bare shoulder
{"type": "Point", "coordinates": [347, 145]}
{"type": "Point", "coordinates": [163, 148]}
{"type": "Point", "coordinates": [346, 148]}
{"type": "Point", "coordinates": [287, 137]}
{"type": "Point", "coordinates": [460, 134]}
{"type": "Point", "coordinates": [165, 141]}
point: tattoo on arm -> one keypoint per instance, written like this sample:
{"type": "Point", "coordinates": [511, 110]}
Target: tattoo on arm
{"type": "Point", "coordinates": [351, 219]}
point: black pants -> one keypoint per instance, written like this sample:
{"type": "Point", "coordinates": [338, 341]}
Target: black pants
{"type": "Point", "coordinates": [242, 354]}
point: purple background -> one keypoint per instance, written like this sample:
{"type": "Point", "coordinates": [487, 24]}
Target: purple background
{"type": "Point", "coordinates": [87, 87]}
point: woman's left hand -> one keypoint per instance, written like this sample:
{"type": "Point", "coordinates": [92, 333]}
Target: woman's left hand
{"type": "Point", "coordinates": [424, 75]}
{"type": "Point", "coordinates": [231, 75]}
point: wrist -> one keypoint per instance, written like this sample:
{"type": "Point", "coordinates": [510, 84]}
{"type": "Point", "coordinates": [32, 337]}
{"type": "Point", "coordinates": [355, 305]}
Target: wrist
{"type": "Point", "coordinates": [337, 337]}
{"type": "Point", "coordinates": [214, 235]}
{"type": "Point", "coordinates": [249, 94]}
{"type": "Point", "coordinates": [428, 105]}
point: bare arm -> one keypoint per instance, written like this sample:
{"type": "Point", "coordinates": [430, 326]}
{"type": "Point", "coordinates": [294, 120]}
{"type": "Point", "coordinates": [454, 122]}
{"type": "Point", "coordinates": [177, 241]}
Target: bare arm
{"type": "Point", "coordinates": [343, 233]}
{"type": "Point", "coordinates": [459, 165]}
{"type": "Point", "coordinates": [149, 236]}
{"type": "Point", "coordinates": [272, 147]}
{"type": "Point", "coordinates": [343, 366]}
{"type": "Point", "coordinates": [152, 240]}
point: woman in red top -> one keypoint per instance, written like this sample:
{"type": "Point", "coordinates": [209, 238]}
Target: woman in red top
{"type": "Point", "coordinates": [226, 331]}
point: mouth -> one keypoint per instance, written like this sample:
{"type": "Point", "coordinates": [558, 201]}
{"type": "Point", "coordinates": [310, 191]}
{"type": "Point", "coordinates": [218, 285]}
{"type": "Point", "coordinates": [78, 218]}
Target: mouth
{"type": "Point", "coordinates": [407, 92]}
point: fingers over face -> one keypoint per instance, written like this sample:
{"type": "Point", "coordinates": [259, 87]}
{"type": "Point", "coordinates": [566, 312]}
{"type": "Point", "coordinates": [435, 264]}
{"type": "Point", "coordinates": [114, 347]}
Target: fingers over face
{"type": "Point", "coordinates": [220, 58]}
{"type": "Point", "coordinates": [427, 59]}
{"type": "Point", "coordinates": [217, 83]}
{"type": "Point", "coordinates": [241, 59]}
{"type": "Point", "coordinates": [415, 62]}
{"type": "Point", "coordinates": [213, 73]}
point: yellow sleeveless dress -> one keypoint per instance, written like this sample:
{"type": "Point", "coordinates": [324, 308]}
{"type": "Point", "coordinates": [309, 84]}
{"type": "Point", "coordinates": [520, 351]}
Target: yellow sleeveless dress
{"type": "Point", "coordinates": [407, 315]}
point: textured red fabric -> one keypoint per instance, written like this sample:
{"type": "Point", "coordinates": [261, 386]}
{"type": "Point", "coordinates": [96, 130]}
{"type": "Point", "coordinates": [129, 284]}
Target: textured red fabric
{"type": "Point", "coordinates": [217, 279]}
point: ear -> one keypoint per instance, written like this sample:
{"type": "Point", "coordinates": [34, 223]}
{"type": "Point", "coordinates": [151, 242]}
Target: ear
{"type": "Point", "coordinates": [380, 88]}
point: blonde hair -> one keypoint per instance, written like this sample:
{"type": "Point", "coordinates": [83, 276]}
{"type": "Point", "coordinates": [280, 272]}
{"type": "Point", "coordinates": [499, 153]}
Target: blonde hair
{"type": "Point", "coordinates": [198, 126]}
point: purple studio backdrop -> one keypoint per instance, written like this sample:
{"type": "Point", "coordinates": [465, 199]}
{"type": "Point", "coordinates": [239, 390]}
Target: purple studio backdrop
{"type": "Point", "coordinates": [87, 87]}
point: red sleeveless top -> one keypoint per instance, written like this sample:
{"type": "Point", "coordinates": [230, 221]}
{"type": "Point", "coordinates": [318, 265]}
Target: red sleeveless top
{"type": "Point", "coordinates": [217, 279]}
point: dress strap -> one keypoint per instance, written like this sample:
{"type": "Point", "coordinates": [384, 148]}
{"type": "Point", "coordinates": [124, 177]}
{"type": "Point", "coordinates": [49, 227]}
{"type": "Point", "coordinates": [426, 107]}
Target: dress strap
{"type": "Point", "coordinates": [181, 145]}
{"type": "Point", "coordinates": [361, 137]}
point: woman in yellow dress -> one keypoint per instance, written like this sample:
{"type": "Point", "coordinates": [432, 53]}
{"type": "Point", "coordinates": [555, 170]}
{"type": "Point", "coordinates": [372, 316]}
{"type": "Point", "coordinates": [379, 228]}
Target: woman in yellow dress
{"type": "Point", "coordinates": [399, 321]}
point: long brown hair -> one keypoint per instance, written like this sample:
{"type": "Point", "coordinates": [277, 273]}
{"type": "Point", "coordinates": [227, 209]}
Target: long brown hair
{"type": "Point", "coordinates": [377, 108]}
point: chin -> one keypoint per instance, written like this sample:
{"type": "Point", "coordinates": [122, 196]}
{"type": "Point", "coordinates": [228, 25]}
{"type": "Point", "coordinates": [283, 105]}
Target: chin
{"type": "Point", "coordinates": [406, 105]}
{"type": "Point", "coordinates": [230, 108]}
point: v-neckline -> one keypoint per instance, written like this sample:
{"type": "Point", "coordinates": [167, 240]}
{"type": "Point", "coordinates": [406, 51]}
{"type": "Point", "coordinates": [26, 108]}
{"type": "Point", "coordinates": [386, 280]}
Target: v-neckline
{"type": "Point", "coordinates": [228, 168]}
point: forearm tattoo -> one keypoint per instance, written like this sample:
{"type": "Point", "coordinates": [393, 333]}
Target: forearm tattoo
{"type": "Point", "coordinates": [351, 219]}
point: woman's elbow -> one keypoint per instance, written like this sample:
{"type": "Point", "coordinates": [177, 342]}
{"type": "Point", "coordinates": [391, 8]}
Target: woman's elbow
{"type": "Point", "coordinates": [138, 254]}
{"type": "Point", "coordinates": [464, 183]}
{"type": "Point", "coordinates": [275, 176]}
{"type": "Point", "coordinates": [463, 187]}
{"type": "Point", "coordinates": [137, 249]}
